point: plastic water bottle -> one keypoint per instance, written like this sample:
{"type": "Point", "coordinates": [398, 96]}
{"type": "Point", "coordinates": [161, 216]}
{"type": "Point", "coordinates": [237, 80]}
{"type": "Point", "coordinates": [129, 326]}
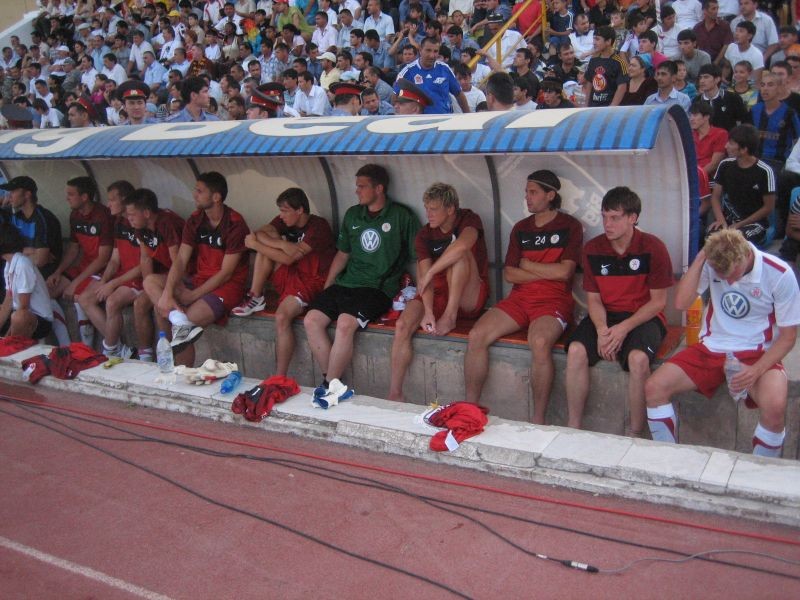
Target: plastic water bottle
{"type": "Point", "coordinates": [164, 358]}
{"type": "Point", "coordinates": [231, 382]}
{"type": "Point", "coordinates": [732, 366]}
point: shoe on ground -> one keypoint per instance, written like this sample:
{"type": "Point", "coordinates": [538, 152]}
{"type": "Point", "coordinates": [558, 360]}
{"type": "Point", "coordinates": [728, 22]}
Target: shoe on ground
{"type": "Point", "coordinates": [183, 335]}
{"type": "Point", "coordinates": [320, 390]}
{"type": "Point", "coordinates": [249, 305]}
{"type": "Point", "coordinates": [86, 331]}
{"type": "Point", "coordinates": [337, 392]}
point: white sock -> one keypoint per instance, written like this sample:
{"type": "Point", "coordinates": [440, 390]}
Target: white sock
{"type": "Point", "coordinates": [177, 317]}
{"type": "Point", "coordinates": [81, 314]}
{"type": "Point", "coordinates": [110, 347]}
{"type": "Point", "coordinates": [663, 423]}
{"type": "Point", "coordinates": [59, 324]}
{"type": "Point", "coordinates": [767, 443]}
{"type": "Point", "coordinates": [145, 354]}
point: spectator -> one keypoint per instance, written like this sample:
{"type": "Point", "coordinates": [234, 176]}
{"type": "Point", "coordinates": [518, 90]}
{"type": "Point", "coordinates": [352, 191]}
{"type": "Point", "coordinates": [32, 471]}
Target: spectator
{"type": "Point", "coordinates": [523, 101]}
{"type": "Point", "coordinates": [688, 13]}
{"type": "Point", "coordinates": [499, 92]}
{"type": "Point", "coordinates": [742, 48]}
{"type": "Point", "coordinates": [553, 94]}
{"type": "Point", "coordinates": [778, 124]}
{"type": "Point", "coordinates": [743, 195]}
{"type": "Point", "coordinates": [373, 105]}
{"type": "Point", "coordinates": [473, 95]}
{"type": "Point", "coordinates": [311, 100]}
{"type": "Point", "coordinates": [709, 141]}
{"type": "Point", "coordinates": [582, 39]}
{"type": "Point", "coordinates": [438, 80]}
{"type": "Point", "coordinates": [377, 20]}
{"type": "Point", "coordinates": [729, 110]}
{"type": "Point", "coordinates": [324, 35]}
{"type": "Point", "coordinates": [560, 27]}
{"type": "Point", "coordinates": [607, 73]}
{"type": "Point", "coordinates": [641, 84]}
{"type": "Point", "coordinates": [626, 297]}
{"type": "Point", "coordinates": [667, 94]}
{"type": "Point", "coordinates": [194, 96]}
{"type": "Point", "coordinates": [667, 34]}
{"type": "Point", "coordinates": [693, 58]}
{"type": "Point", "coordinates": [741, 84]}
{"type": "Point", "coordinates": [765, 34]}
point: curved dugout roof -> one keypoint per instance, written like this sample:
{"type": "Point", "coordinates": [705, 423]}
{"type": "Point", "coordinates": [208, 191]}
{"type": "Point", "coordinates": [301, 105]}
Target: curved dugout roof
{"type": "Point", "coordinates": [568, 130]}
{"type": "Point", "coordinates": [485, 156]}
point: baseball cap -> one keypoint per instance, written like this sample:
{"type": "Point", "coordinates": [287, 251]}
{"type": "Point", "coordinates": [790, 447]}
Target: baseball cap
{"type": "Point", "coordinates": [22, 182]}
{"type": "Point", "coordinates": [328, 56]}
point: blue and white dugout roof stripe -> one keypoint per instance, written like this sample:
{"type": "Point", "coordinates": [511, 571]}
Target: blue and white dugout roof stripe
{"type": "Point", "coordinates": [620, 129]}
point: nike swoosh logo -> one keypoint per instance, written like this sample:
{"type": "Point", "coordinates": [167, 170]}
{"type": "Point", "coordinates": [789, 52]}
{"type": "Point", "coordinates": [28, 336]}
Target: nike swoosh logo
{"type": "Point", "coordinates": [356, 226]}
{"type": "Point", "coordinates": [605, 266]}
{"type": "Point", "coordinates": [438, 249]}
{"type": "Point", "coordinates": [362, 323]}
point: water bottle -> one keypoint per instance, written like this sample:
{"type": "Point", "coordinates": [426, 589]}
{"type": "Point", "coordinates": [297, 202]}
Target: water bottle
{"type": "Point", "coordinates": [231, 382]}
{"type": "Point", "coordinates": [164, 354]}
{"type": "Point", "coordinates": [732, 366]}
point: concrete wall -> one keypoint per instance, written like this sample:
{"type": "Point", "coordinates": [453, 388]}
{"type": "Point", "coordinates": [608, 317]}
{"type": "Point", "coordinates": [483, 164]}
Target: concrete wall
{"type": "Point", "coordinates": [11, 13]}
{"type": "Point", "coordinates": [437, 375]}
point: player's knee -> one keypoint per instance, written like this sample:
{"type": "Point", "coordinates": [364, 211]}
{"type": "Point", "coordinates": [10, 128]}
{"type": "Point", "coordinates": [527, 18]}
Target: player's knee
{"type": "Point", "coordinates": [346, 325]}
{"type": "Point", "coordinates": [404, 328]}
{"type": "Point", "coordinates": [282, 321]}
{"type": "Point", "coordinates": [655, 392]}
{"type": "Point", "coordinates": [314, 320]}
{"type": "Point", "coordinates": [638, 362]}
{"type": "Point", "coordinates": [540, 347]}
{"type": "Point", "coordinates": [576, 355]}
{"type": "Point", "coordinates": [479, 337]}
{"type": "Point", "coordinates": [142, 304]}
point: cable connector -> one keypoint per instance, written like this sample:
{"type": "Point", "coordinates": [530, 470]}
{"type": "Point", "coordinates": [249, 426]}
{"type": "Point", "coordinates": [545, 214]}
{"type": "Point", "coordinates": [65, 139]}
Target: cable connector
{"type": "Point", "coordinates": [580, 566]}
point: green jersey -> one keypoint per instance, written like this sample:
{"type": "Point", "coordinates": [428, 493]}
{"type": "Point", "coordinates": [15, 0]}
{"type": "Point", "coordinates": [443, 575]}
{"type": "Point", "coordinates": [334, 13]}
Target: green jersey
{"type": "Point", "coordinates": [380, 246]}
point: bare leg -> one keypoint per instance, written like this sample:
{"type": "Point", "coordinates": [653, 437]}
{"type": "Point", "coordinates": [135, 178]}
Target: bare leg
{"type": "Point", "coordinates": [577, 383]}
{"type": "Point", "coordinates": [464, 284]}
{"type": "Point", "coordinates": [542, 334]}
{"type": "Point", "coordinates": [342, 348]}
{"type": "Point", "coordinates": [262, 269]}
{"type": "Point", "coordinates": [639, 367]}
{"type": "Point", "coordinates": [143, 321]}
{"type": "Point", "coordinates": [406, 326]}
{"type": "Point", "coordinates": [491, 326]}
{"type": "Point", "coordinates": [121, 297]}
{"type": "Point", "coordinates": [287, 311]}
{"type": "Point", "coordinates": [91, 306]}
{"type": "Point", "coordinates": [22, 323]}
{"type": "Point", "coordinates": [316, 324]}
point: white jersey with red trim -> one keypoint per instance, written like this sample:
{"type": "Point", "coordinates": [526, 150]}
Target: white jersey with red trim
{"type": "Point", "coordinates": [745, 315]}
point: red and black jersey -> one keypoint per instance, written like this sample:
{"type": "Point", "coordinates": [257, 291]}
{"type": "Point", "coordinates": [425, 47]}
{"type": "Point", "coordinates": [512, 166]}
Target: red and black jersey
{"type": "Point", "coordinates": [126, 244]}
{"type": "Point", "coordinates": [90, 231]}
{"type": "Point", "coordinates": [317, 233]}
{"type": "Point", "coordinates": [211, 244]}
{"type": "Point", "coordinates": [431, 243]}
{"type": "Point", "coordinates": [624, 281]}
{"type": "Point", "coordinates": [554, 242]}
{"type": "Point", "coordinates": [167, 233]}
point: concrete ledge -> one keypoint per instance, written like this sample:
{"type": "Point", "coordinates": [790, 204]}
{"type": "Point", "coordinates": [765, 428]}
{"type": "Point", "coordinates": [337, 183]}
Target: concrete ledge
{"type": "Point", "coordinates": [693, 477]}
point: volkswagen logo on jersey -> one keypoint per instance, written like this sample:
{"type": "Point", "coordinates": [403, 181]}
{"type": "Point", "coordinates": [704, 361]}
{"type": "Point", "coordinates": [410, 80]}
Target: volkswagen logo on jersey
{"type": "Point", "coordinates": [735, 305]}
{"type": "Point", "coordinates": [370, 240]}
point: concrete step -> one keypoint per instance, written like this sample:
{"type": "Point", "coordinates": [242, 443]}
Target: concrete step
{"type": "Point", "coordinates": [694, 477]}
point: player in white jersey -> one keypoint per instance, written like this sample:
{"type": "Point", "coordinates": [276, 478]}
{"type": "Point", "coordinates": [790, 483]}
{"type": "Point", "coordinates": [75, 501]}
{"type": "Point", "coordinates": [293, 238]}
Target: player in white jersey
{"type": "Point", "coordinates": [754, 313]}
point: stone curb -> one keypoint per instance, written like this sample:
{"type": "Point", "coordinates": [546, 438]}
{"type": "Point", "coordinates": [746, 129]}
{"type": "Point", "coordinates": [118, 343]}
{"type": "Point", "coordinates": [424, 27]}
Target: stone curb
{"type": "Point", "coordinates": [693, 477]}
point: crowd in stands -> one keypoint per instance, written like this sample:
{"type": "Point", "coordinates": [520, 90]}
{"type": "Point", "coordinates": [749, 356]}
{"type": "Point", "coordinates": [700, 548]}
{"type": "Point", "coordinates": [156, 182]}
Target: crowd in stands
{"type": "Point", "coordinates": [111, 63]}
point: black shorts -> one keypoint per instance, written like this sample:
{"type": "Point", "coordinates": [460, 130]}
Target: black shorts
{"type": "Point", "coordinates": [365, 304]}
{"type": "Point", "coordinates": [43, 328]}
{"type": "Point", "coordinates": [647, 337]}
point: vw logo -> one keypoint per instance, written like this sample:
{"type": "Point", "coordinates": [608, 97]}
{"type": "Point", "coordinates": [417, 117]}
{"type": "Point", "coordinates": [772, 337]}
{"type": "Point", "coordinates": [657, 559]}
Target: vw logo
{"type": "Point", "coordinates": [735, 305]}
{"type": "Point", "coordinates": [370, 240]}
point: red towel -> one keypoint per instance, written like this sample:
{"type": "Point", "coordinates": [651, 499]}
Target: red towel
{"type": "Point", "coordinates": [67, 361]}
{"type": "Point", "coordinates": [463, 419]}
{"type": "Point", "coordinates": [257, 403]}
{"type": "Point", "coordinates": [12, 344]}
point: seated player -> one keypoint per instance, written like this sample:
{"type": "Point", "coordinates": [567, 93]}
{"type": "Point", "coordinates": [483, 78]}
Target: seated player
{"type": "Point", "coordinates": [452, 276]}
{"type": "Point", "coordinates": [543, 252]}
{"type": "Point", "coordinates": [626, 275]}
{"type": "Point", "coordinates": [25, 310]}
{"type": "Point", "coordinates": [91, 231]}
{"type": "Point", "coordinates": [754, 314]}
{"type": "Point", "coordinates": [294, 251]}
{"type": "Point", "coordinates": [159, 233]}
{"type": "Point", "coordinates": [212, 240]}
{"type": "Point", "coordinates": [121, 281]}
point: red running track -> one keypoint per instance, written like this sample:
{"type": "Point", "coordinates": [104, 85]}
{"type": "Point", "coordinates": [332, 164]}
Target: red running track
{"type": "Point", "coordinates": [77, 522]}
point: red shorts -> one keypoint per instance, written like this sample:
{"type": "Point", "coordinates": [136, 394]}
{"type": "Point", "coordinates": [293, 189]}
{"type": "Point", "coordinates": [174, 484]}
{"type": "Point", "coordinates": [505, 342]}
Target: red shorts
{"type": "Point", "coordinates": [706, 369]}
{"type": "Point", "coordinates": [290, 282]}
{"type": "Point", "coordinates": [230, 295]}
{"type": "Point", "coordinates": [525, 309]}
{"type": "Point", "coordinates": [73, 272]}
{"type": "Point", "coordinates": [441, 294]}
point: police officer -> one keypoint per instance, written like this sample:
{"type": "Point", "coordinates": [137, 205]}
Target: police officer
{"type": "Point", "coordinates": [266, 101]}
{"type": "Point", "coordinates": [411, 99]}
{"type": "Point", "coordinates": [134, 94]}
{"type": "Point", "coordinates": [346, 98]}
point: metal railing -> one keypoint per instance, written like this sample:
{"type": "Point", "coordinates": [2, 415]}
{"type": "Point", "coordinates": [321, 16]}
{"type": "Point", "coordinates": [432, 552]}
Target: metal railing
{"type": "Point", "coordinates": [498, 37]}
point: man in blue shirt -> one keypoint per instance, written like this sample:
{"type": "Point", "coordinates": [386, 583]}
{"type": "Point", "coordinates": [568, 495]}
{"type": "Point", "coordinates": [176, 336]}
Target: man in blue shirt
{"type": "Point", "coordinates": [194, 94]}
{"type": "Point", "coordinates": [435, 78]}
